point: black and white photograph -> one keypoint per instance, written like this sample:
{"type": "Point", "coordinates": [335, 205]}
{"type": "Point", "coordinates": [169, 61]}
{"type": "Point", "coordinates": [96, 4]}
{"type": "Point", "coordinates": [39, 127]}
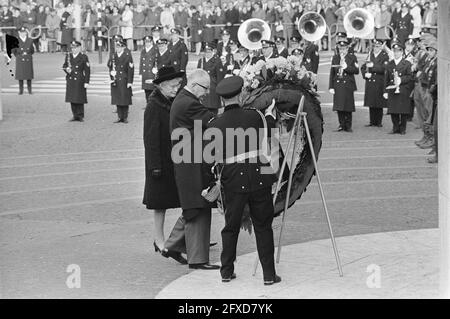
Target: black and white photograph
{"type": "Point", "coordinates": [224, 154]}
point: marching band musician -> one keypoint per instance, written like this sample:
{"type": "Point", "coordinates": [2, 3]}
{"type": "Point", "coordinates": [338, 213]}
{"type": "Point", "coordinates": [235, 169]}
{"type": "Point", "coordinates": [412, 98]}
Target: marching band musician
{"type": "Point", "coordinates": [245, 181]}
{"type": "Point", "coordinates": [397, 89]}
{"type": "Point", "coordinates": [294, 43]}
{"type": "Point", "coordinates": [373, 72]}
{"type": "Point", "coordinates": [404, 26]}
{"type": "Point", "coordinates": [156, 33]}
{"type": "Point", "coordinates": [147, 66]}
{"type": "Point", "coordinates": [24, 60]}
{"type": "Point", "coordinates": [121, 69]}
{"type": "Point", "coordinates": [223, 46]}
{"type": "Point", "coordinates": [311, 57]}
{"type": "Point", "coordinates": [298, 52]}
{"type": "Point", "coordinates": [163, 57]}
{"type": "Point", "coordinates": [78, 74]}
{"type": "Point", "coordinates": [268, 50]}
{"type": "Point", "coordinates": [281, 49]}
{"type": "Point", "coordinates": [342, 85]}
{"type": "Point", "coordinates": [209, 63]}
{"type": "Point", "coordinates": [178, 51]}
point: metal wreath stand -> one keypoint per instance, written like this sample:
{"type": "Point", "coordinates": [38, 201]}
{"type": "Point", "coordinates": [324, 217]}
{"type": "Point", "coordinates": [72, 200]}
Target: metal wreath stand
{"type": "Point", "coordinates": [299, 119]}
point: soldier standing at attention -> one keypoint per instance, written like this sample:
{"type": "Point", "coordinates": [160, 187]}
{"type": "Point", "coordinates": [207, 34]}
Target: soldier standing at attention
{"type": "Point", "coordinates": [121, 69]}
{"type": "Point", "coordinates": [344, 66]}
{"type": "Point", "coordinates": [163, 57]}
{"type": "Point", "coordinates": [246, 179]}
{"type": "Point", "coordinates": [178, 53]}
{"type": "Point", "coordinates": [373, 72]}
{"type": "Point", "coordinates": [78, 73]}
{"type": "Point", "coordinates": [398, 89]}
{"type": "Point", "coordinates": [24, 60]}
{"type": "Point", "coordinates": [147, 66]}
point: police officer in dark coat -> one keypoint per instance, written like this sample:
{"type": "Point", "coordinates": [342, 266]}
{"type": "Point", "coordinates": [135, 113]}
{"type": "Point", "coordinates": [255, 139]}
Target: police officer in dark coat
{"type": "Point", "coordinates": [147, 66]}
{"type": "Point", "coordinates": [160, 191]}
{"type": "Point", "coordinates": [209, 63]}
{"type": "Point", "coordinates": [163, 57]}
{"type": "Point", "coordinates": [397, 89]}
{"type": "Point", "coordinates": [247, 178]}
{"type": "Point", "coordinates": [178, 51]}
{"type": "Point", "coordinates": [311, 57]}
{"type": "Point", "coordinates": [373, 72]}
{"type": "Point", "coordinates": [121, 69]}
{"type": "Point", "coordinates": [78, 72]}
{"type": "Point", "coordinates": [24, 60]}
{"type": "Point", "coordinates": [342, 85]}
{"type": "Point", "coordinates": [188, 120]}
{"type": "Point", "coordinates": [404, 25]}
{"type": "Point", "coordinates": [281, 49]}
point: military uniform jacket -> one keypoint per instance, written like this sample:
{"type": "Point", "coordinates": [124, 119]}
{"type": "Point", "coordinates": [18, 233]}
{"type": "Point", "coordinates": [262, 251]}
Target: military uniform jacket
{"type": "Point", "coordinates": [146, 64]}
{"type": "Point", "coordinates": [374, 89]}
{"type": "Point", "coordinates": [179, 55]}
{"type": "Point", "coordinates": [120, 92]}
{"type": "Point", "coordinates": [284, 53]}
{"type": "Point", "coordinates": [24, 59]}
{"type": "Point", "coordinates": [237, 175]}
{"type": "Point", "coordinates": [211, 100]}
{"type": "Point", "coordinates": [404, 27]}
{"type": "Point", "coordinates": [79, 75]}
{"type": "Point", "coordinates": [344, 85]}
{"type": "Point", "coordinates": [398, 103]}
{"type": "Point", "coordinates": [311, 58]}
{"type": "Point", "coordinates": [429, 72]}
{"type": "Point", "coordinates": [164, 59]}
{"type": "Point", "coordinates": [222, 46]}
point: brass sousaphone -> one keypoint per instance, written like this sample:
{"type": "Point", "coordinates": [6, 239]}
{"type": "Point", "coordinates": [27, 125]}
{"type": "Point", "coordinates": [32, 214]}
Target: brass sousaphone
{"type": "Point", "coordinates": [252, 31]}
{"type": "Point", "coordinates": [359, 23]}
{"type": "Point", "coordinates": [312, 26]}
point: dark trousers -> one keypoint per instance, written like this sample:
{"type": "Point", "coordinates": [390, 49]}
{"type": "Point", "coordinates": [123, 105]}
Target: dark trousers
{"type": "Point", "coordinates": [21, 86]}
{"type": "Point", "coordinates": [122, 111]}
{"type": "Point", "coordinates": [147, 94]}
{"type": "Point", "coordinates": [77, 110]}
{"type": "Point", "coordinates": [261, 212]}
{"type": "Point", "coordinates": [434, 120]}
{"type": "Point", "coordinates": [375, 115]}
{"type": "Point", "coordinates": [191, 236]}
{"type": "Point", "coordinates": [345, 120]}
{"type": "Point", "coordinates": [399, 122]}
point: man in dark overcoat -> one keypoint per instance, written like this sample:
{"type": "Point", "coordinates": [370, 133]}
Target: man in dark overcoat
{"type": "Point", "coordinates": [373, 72]}
{"type": "Point", "coordinates": [404, 25]}
{"type": "Point", "coordinates": [178, 52]}
{"type": "Point", "coordinates": [342, 85]}
{"type": "Point", "coordinates": [24, 60]}
{"type": "Point", "coordinates": [121, 68]}
{"type": "Point", "coordinates": [397, 81]}
{"type": "Point", "coordinates": [160, 191]}
{"type": "Point", "coordinates": [209, 63]}
{"type": "Point", "coordinates": [188, 119]}
{"type": "Point", "coordinates": [66, 29]}
{"type": "Point", "coordinates": [281, 49]}
{"type": "Point", "coordinates": [78, 72]}
{"type": "Point", "coordinates": [247, 178]}
{"type": "Point", "coordinates": [147, 66]}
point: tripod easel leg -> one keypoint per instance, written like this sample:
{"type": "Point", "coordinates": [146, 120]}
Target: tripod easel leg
{"type": "Point", "coordinates": [313, 155]}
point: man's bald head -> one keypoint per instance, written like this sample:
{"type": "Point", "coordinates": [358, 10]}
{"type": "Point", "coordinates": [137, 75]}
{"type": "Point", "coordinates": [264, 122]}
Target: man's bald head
{"type": "Point", "coordinates": [198, 82]}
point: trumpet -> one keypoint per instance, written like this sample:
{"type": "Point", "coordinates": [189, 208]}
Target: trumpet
{"type": "Point", "coordinates": [396, 80]}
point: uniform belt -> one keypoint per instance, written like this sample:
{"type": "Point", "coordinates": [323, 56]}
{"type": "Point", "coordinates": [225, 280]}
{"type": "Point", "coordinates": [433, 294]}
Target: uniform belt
{"type": "Point", "coordinates": [242, 157]}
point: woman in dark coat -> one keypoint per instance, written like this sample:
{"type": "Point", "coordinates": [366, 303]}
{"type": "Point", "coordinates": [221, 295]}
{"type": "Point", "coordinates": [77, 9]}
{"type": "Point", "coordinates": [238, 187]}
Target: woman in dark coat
{"type": "Point", "coordinates": [24, 60]}
{"type": "Point", "coordinates": [160, 191]}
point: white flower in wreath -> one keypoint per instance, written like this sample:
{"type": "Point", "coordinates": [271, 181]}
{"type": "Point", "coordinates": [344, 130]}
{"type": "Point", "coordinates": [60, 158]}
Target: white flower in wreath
{"type": "Point", "coordinates": [255, 84]}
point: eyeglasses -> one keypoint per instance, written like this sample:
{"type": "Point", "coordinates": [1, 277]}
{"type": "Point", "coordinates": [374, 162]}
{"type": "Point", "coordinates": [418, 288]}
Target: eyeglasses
{"type": "Point", "coordinates": [205, 87]}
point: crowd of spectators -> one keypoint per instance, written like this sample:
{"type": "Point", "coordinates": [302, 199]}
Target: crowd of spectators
{"type": "Point", "coordinates": [199, 21]}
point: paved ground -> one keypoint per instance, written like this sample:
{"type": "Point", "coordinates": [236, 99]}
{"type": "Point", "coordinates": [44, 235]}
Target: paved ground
{"type": "Point", "coordinates": [70, 193]}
